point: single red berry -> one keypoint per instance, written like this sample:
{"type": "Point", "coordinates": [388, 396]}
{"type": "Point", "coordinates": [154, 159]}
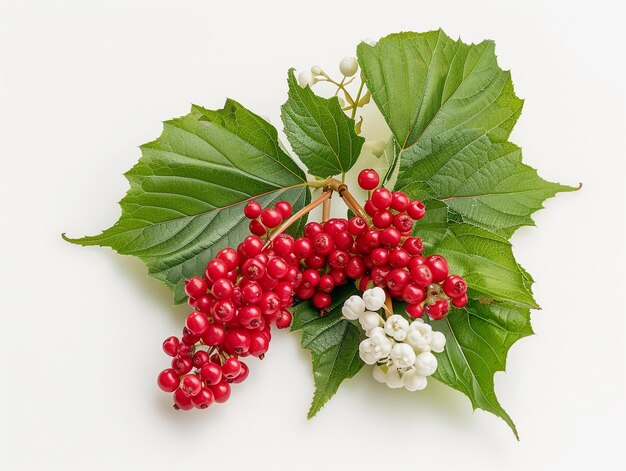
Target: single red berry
{"type": "Point", "coordinates": [252, 245]}
{"type": "Point", "coordinates": [413, 294]}
{"type": "Point", "coordinates": [231, 368]}
{"type": "Point", "coordinates": [170, 345]}
{"type": "Point", "coordinates": [365, 283]}
{"type": "Point", "coordinates": [271, 218]}
{"type": "Point", "coordinates": [249, 316]}
{"type": "Point", "coordinates": [304, 292]}
{"type": "Point", "coordinates": [357, 225]}
{"type": "Point", "coordinates": [379, 276]}
{"type": "Point", "coordinates": [182, 401]}
{"type": "Point", "coordinates": [415, 310]}
{"type": "Point", "coordinates": [323, 244]}
{"type": "Point", "coordinates": [253, 269]}
{"type": "Point", "coordinates": [390, 237]}
{"type": "Point", "coordinates": [284, 290]}
{"type": "Point", "coordinates": [184, 350]}
{"type": "Point", "coordinates": [223, 310]}
{"type": "Point", "coordinates": [310, 278]}
{"type": "Point", "coordinates": [237, 341]}
{"type": "Point", "coordinates": [399, 201]}
{"type": "Point", "coordinates": [382, 219]}
{"type": "Point", "coordinates": [252, 210]}
{"type": "Point", "coordinates": [221, 391]}
{"type": "Point", "coordinates": [315, 261]}
{"type": "Point", "coordinates": [403, 222]}
{"type": "Point", "coordinates": [195, 287]}
{"type": "Point", "coordinates": [197, 323]}
{"type": "Point", "coordinates": [355, 268]}
{"type": "Point", "coordinates": [200, 358]}
{"type": "Point", "coordinates": [292, 260]}
{"type": "Point", "coordinates": [203, 399]}
{"type": "Point", "coordinates": [397, 279]}
{"type": "Point", "coordinates": [257, 228]}
{"type": "Point", "coordinates": [211, 373]}
{"type": "Point", "coordinates": [214, 335]}
{"type": "Point", "coordinates": [321, 300]}
{"type": "Point", "coordinates": [277, 268]}
{"type": "Point", "coordinates": [454, 286]}
{"type": "Point", "coordinates": [399, 258]}
{"type": "Point", "coordinates": [284, 320]}
{"type": "Point", "coordinates": [222, 288]}
{"type": "Point", "coordinates": [368, 179]}
{"type": "Point", "coordinates": [267, 283]}
{"type": "Point", "coordinates": [421, 275]}
{"type": "Point", "coordinates": [188, 337]}
{"type": "Point", "coordinates": [243, 375]}
{"type": "Point", "coordinates": [312, 229]}
{"type": "Point", "coordinates": [343, 240]}
{"type": "Point", "coordinates": [380, 257]}
{"type": "Point", "coordinates": [438, 309]}
{"type": "Point", "coordinates": [190, 384]}
{"type": "Point", "coordinates": [338, 258]}
{"type": "Point", "coordinates": [416, 209]}
{"type": "Point", "coordinates": [369, 208]}
{"type": "Point", "coordinates": [460, 302]}
{"type": "Point", "coordinates": [216, 269]}
{"type": "Point", "coordinates": [416, 261]}
{"type": "Point", "coordinates": [283, 245]}
{"type": "Point", "coordinates": [413, 245]}
{"type": "Point", "coordinates": [229, 257]}
{"type": "Point", "coordinates": [339, 276]}
{"type": "Point", "coordinates": [326, 284]}
{"type": "Point", "coordinates": [303, 248]}
{"type": "Point", "coordinates": [284, 208]}
{"type": "Point", "coordinates": [259, 344]}
{"type": "Point", "coordinates": [372, 238]}
{"type": "Point", "coordinates": [269, 303]}
{"type": "Point", "coordinates": [182, 365]}
{"type": "Point", "coordinates": [438, 267]}
{"type": "Point", "coordinates": [381, 198]}
{"type": "Point", "coordinates": [168, 380]}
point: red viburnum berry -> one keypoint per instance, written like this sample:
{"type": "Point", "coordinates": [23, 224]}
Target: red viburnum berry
{"type": "Point", "coordinates": [454, 286]}
{"type": "Point", "coordinates": [195, 287]}
{"type": "Point", "coordinates": [252, 210]}
{"type": "Point", "coordinates": [438, 267]}
{"type": "Point", "coordinates": [168, 380]}
{"type": "Point", "coordinates": [381, 198]}
{"type": "Point", "coordinates": [368, 179]}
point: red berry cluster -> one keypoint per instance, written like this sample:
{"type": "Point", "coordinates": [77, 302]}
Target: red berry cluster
{"type": "Point", "coordinates": [245, 291]}
{"type": "Point", "coordinates": [242, 293]}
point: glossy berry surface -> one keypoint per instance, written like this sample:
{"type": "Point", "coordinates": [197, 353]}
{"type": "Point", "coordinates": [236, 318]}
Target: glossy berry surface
{"type": "Point", "coordinates": [368, 179]}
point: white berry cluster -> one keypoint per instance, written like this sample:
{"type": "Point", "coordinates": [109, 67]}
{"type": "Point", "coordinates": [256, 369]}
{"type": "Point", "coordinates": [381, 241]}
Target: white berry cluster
{"type": "Point", "coordinates": [401, 352]}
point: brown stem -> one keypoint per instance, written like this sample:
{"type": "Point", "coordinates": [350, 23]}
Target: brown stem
{"type": "Point", "coordinates": [350, 201]}
{"type": "Point", "coordinates": [326, 210]}
{"type": "Point", "coordinates": [307, 209]}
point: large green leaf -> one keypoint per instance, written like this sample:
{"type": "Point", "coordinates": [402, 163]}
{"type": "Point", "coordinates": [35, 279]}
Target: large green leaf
{"type": "Point", "coordinates": [477, 342]}
{"type": "Point", "coordinates": [484, 183]}
{"type": "Point", "coordinates": [319, 131]}
{"type": "Point", "coordinates": [187, 191]}
{"type": "Point", "coordinates": [429, 85]}
{"type": "Point", "coordinates": [334, 345]}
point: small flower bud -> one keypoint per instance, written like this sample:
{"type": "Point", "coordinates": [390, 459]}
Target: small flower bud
{"type": "Point", "coordinates": [369, 320]}
{"type": "Point", "coordinates": [374, 298]}
{"type": "Point", "coordinates": [353, 308]}
{"type": "Point", "coordinates": [425, 364]}
{"type": "Point", "coordinates": [348, 66]}
{"type": "Point", "coordinates": [316, 70]}
{"type": "Point", "coordinates": [437, 342]}
{"type": "Point", "coordinates": [306, 78]}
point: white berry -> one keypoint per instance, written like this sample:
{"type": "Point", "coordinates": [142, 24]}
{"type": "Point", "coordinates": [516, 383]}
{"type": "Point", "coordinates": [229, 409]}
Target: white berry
{"type": "Point", "coordinates": [397, 327]}
{"type": "Point", "coordinates": [402, 355]}
{"type": "Point", "coordinates": [376, 347]}
{"type": "Point", "coordinates": [316, 70]}
{"type": "Point", "coordinates": [425, 364]}
{"type": "Point", "coordinates": [420, 336]}
{"type": "Point", "coordinates": [306, 78]}
{"type": "Point", "coordinates": [379, 374]}
{"type": "Point", "coordinates": [374, 298]}
{"type": "Point", "coordinates": [348, 66]}
{"type": "Point", "coordinates": [437, 342]}
{"type": "Point", "coordinates": [413, 381]}
{"type": "Point", "coordinates": [393, 379]}
{"type": "Point", "coordinates": [369, 320]}
{"type": "Point", "coordinates": [353, 308]}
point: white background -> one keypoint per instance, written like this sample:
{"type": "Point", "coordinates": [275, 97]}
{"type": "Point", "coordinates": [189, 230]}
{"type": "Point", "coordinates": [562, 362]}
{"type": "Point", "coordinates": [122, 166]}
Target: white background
{"type": "Point", "coordinates": [83, 83]}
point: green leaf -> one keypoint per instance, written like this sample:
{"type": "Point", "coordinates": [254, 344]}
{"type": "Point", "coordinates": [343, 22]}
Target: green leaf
{"type": "Point", "coordinates": [187, 192]}
{"type": "Point", "coordinates": [478, 339]}
{"type": "Point", "coordinates": [486, 262]}
{"type": "Point", "coordinates": [319, 131]}
{"type": "Point", "coordinates": [428, 85]}
{"type": "Point", "coordinates": [334, 345]}
{"type": "Point", "coordinates": [484, 183]}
